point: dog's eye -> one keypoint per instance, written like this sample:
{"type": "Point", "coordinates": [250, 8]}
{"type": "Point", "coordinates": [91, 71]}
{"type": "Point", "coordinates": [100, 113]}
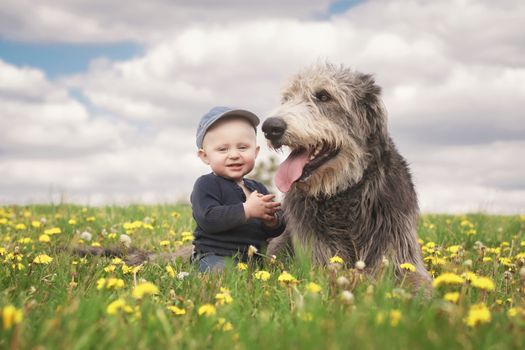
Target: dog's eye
{"type": "Point", "coordinates": [323, 96]}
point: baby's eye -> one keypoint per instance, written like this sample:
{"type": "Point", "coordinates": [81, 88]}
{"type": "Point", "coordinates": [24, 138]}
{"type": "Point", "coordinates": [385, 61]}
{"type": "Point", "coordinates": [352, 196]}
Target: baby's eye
{"type": "Point", "coordinates": [222, 149]}
{"type": "Point", "coordinates": [243, 147]}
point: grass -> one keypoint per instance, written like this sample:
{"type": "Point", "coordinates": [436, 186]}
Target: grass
{"type": "Point", "coordinates": [63, 304]}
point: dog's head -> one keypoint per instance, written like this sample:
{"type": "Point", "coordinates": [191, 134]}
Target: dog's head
{"type": "Point", "coordinates": [332, 119]}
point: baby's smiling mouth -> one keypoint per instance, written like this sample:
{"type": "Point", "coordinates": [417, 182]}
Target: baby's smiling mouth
{"type": "Point", "coordinates": [235, 165]}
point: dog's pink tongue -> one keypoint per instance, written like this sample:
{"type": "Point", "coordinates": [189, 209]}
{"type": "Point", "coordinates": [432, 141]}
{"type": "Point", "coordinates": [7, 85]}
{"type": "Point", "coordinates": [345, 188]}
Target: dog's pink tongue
{"type": "Point", "coordinates": [290, 170]}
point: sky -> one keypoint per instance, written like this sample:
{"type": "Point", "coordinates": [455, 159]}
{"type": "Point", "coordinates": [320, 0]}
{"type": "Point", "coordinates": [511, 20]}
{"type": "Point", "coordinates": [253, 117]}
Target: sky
{"type": "Point", "coordinates": [100, 99]}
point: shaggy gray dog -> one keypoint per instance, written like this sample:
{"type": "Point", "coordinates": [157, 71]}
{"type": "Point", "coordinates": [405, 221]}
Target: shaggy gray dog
{"type": "Point", "coordinates": [348, 190]}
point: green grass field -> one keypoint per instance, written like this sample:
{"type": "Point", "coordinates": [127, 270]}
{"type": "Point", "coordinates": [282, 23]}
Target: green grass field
{"type": "Point", "coordinates": [50, 299]}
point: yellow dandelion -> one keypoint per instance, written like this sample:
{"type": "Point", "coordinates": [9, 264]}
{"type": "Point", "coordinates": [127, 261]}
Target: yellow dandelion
{"type": "Point", "coordinates": [434, 260]}
{"type": "Point", "coordinates": [487, 259]}
{"type": "Point", "coordinates": [176, 310]}
{"type": "Point", "coordinates": [207, 310]}
{"type": "Point", "coordinates": [286, 278]}
{"type": "Point", "coordinates": [484, 283]}
{"type": "Point", "coordinates": [20, 227]}
{"type": "Point", "coordinates": [53, 231]}
{"type": "Point", "coordinates": [478, 314]}
{"type": "Point", "coordinates": [101, 283]}
{"type": "Point", "coordinates": [469, 276]}
{"type": "Point", "coordinates": [72, 222]}
{"type": "Point", "coordinates": [313, 288]}
{"type": "Point", "coordinates": [36, 224]}
{"type": "Point", "coordinates": [515, 311]}
{"type": "Point", "coordinates": [117, 305]}
{"type": "Point", "coordinates": [408, 267]}
{"type": "Point", "coordinates": [506, 262]}
{"type": "Point", "coordinates": [223, 325]}
{"type": "Point", "coordinates": [454, 249]}
{"type": "Point", "coordinates": [44, 238]}
{"type": "Point", "coordinates": [42, 259]}
{"type": "Point", "coordinates": [131, 269]}
{"type": "Point", "coordinates": [262, 275]}
{"type": "Point", "coordinates": [25, 240]}
{"type": "Point", "coordinates": [395, 317]}
{"type": "Point", "coordinates": [336, 260]}
{"type": "Point", "coordinates": [164, 243]}
{"type": "Point", "coordinates": [223, 297]}
{"type": "Point", "coordinates": [115, 283]}
{"type": "Point", "coordinates": [145, 288]}
{"type": "Point", "coordinates": [242, 266]}
{"type": "Point", "coordinates": [447, 278]}
{"type": "Point", "coordinates": [170, 271]}
{"type": "Point", "coordinates": [187, 236]}
{"type": "Point", "coordinates": [116, 261]}
{"type": "Point", "coordinates": [10, 316]}
{"type": "Point", "coordinates": [453, 297]}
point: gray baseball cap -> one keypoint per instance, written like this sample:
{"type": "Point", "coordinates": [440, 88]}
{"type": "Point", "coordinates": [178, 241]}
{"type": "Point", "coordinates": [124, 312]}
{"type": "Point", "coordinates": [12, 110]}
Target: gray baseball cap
{"type": "Point", "coordinates": [217, 113]}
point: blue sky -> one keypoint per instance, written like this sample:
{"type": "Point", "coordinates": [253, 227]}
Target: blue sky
{"type": "Point", "coordinates": [58, 59]}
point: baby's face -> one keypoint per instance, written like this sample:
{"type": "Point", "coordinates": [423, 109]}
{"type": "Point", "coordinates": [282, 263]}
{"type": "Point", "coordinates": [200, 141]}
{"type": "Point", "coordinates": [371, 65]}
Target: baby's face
{"type": "Point", "coordinates": [230, 149]}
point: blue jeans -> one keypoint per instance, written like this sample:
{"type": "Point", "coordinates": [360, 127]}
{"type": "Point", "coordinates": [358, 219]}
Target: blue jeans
{"type": "Point", "coordinates": [209, 262]}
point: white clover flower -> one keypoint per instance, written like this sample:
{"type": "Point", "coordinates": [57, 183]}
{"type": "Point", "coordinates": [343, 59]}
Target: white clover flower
{"type": "Point", "coordinates": [182, 275]}
{"type": "Point", "coordinates": [86, 236]}
{"type": "Point", "coordinates": [125, 239]}
{"type": "Point", "coordinates": [360, 265]}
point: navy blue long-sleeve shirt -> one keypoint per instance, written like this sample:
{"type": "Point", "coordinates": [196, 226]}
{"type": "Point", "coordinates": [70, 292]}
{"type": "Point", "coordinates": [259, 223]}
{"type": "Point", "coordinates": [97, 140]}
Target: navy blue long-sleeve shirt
{"type": "Point", "coordinates": [222, 228]}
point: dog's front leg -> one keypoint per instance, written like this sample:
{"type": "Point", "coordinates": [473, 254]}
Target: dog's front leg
{"type": "Point", "coordinates": [281, 246]}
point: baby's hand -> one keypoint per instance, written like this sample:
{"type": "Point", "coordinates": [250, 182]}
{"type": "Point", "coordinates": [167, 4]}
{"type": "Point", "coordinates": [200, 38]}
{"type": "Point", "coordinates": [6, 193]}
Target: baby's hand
{"type": "Point", "coordinates": [272, 223]}
{"type": "Point", "coordinates": [260, 206]}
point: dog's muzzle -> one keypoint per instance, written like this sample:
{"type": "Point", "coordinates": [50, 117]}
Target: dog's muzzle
{"type": "Point", "coordinates": [274, 128]}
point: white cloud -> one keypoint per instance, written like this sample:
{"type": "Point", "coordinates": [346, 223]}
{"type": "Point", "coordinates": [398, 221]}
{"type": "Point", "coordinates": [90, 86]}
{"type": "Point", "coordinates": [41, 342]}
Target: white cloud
{"type": "Point", "coordinates": [97, 21]}
{"type": "Point", "coordinates": [453, 78]}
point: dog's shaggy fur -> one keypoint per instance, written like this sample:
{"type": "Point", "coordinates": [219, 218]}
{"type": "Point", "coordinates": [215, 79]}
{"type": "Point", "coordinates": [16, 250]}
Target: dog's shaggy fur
{"type": "Point", "coordinates": [355, 197]}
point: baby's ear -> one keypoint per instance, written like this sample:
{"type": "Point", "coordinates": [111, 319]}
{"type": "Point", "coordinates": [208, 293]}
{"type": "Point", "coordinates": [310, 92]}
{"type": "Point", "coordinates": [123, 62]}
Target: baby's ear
{"type": "Point", "coordinates": [257, 148]}
{"type": "Point", "coordinates": [203, 156]}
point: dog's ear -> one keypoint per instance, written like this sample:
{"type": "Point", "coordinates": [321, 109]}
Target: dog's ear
{"type": "Point", "coordinates": [369, 101]}
{"type": "Point", "coordinates": [369, 91]}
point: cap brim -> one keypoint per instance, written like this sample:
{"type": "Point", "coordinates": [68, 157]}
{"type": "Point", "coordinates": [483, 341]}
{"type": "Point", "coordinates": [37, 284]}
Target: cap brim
{"type": "Point", "coordinates": [241, 113]}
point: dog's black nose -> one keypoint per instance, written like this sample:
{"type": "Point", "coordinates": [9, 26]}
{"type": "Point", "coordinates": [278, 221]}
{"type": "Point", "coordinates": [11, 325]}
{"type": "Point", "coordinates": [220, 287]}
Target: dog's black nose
{"type": "Point", "coordinates": [273, 128]}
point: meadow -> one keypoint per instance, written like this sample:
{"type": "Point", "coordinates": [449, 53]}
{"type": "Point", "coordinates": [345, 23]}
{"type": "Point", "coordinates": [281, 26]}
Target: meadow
{"type": "Point", "coordinates": [52, 299]}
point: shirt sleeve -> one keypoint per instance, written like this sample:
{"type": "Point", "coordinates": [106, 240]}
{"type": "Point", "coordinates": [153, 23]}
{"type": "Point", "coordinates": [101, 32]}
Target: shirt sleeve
{"type": "Point", "coordinates": [209, 211]}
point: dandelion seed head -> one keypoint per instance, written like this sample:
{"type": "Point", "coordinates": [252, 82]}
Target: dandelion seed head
{"type": "Point", "coordinates": [86, 236]}
{"type": "Point", "coordinates": [125, 239]}
{"type": "Point", "coordinates": [346, 297]}
{"type": "Point", "coordinates": [342, 281]}
{"type": "Point", "coordinates": [360, 265]}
